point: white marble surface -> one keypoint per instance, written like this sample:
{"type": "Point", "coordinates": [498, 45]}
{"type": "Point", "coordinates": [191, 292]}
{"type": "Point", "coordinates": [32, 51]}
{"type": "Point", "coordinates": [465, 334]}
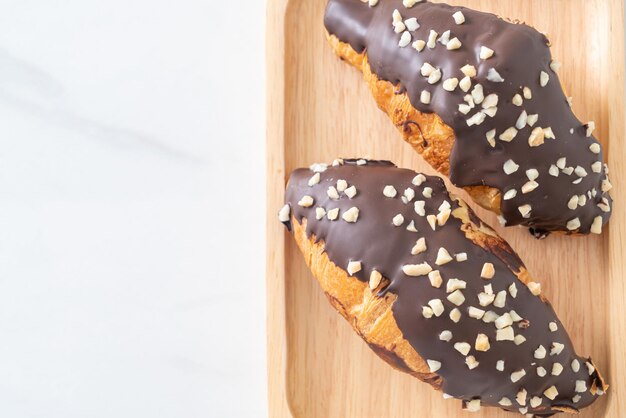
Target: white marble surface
{"type": "Point", "coordinates": [132, 209]}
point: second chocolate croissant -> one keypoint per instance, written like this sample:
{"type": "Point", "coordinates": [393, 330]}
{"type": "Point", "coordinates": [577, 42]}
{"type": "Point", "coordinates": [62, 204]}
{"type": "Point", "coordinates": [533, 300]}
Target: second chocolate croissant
{"type": "Point", "coordinates": [432, 290]}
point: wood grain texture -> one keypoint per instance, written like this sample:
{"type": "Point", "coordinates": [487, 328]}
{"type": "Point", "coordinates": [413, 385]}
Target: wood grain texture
{"type": "Point", "coordinates": [320, 108]}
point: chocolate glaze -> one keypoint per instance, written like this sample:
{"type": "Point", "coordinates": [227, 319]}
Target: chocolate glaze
{"type": "Point", "coordinates": [521, 53]}
{"type": "Point", "coordinates": [378, 244]}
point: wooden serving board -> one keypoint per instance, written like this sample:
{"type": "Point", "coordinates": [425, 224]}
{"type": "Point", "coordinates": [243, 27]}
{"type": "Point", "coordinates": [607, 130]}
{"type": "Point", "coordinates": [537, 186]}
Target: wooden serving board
{"type": "Point", "coordinates": [319, 109]}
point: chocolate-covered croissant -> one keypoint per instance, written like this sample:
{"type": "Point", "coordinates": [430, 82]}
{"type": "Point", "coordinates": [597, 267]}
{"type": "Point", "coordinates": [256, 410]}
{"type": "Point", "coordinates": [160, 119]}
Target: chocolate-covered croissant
{"type": "Point", "coordinates": [434, 291]}
{"type": "Point", "coordinates": [479, 98]}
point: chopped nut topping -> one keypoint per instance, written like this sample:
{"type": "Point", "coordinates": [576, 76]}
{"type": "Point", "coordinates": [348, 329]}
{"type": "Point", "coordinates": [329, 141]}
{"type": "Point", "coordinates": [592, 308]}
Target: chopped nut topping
{"type": "Point", "coordinates": [442, 217]}
{"type": "Point", "coordinates": [482, 343]}
{"type": "Point", "coordinates": [596, 167]}
{"type": "Point", "coordinates": [460, 257]}
{"type": "Point", "coordinates": [557, 369]}
{"type": "Point", "coordinates": [490, 101]}
{"type": "Point", "coordinates": [568, 171]}
{"type": "Point", "coordinates": [536, 137]}
{"type": "Point", "coordinates": [606, 185]}
{"type": "Point", "coordinates": [405, 39]}
{"type": "Point", "coordinates": [517, 100]}
{"type": "Point", "coordinates": [419, 179]}
{"type": "Point", "coordinates": [500, 365]}
{"type": "Point", "coordinates": [390, 191]}
{"type": "Point", "coordinates": [284, 213]}
{"type": "Point", "coordinates": [419, 247]}
{"type": "Point", "coordinates": [510, 167]}
{"type": "Point", "coordinates": [490, 317]}
{"type": "Point", "coordinates": [515, 316]}
{"type": "Point", "coordinates": [478, 94]}
{"type": "Point", "coordinates": [485, 299]}
{"type": "Point", "coordinates": [504, 321]}
{"type": "Point", "coordinates": [541, 372]}
{"type": "Point", "coordinates": [375, 279]}
{"type": "Point", "coordinates": [443, 257]}
{"type": "Point", "coordinates": [465, 84]}
{"type": "Point", "coordinates": [456, 297]}
{"type": "Point", "coordinates": [488, 271]}
{"type": "Point", "coordinates": [556, 349]}
{"type": "Point", "coordinates": [417, 269]}
{"type": "Point", "coordinates": [573, 224]}
{"type": "Point", "coordinates": [474, 404]}
{"type": "Point", "coordinates": [535, 401]}
{"type": "Point", "coordinates": [553, 326]}
{"type": "Point", "coordinates": [320, 213]}
{"type": "Point", "coordinates": [427, 312]}
{"type": "Point", "coordinates": [590, 368]}
{"type": "Point", "coordinates": [477, 119]}
{"type": "Point", "coordinates": [332, 193]}
{"type": "Point", "coordinates": [475, 313]}
{"type": "Point", "coordinates": [433, 365]}
{"type": "Point", "coordinates": [525, 210]}
{"type": "Point", "coordinates": [590, 127]}
{"type": "Point", "coordinates": [527, 93]}
{"type": "Point", "coordinates": [432, 221]}
{"type": "Point", "coordinates": [435, 278]}
{"type": "Point", "coordinates": [554, 171]}
{"type": "Point", "coordinates": [398, 220]}
{"type": "Point", "coordinates": [532, 174]}
{"type": "Point", "coordinates": [534, 287]}
{"type": "Point", "coordinates": [532, 119]}
{"type": "Point", "coordinates": [521, 120]}
{"type": "Point", "coordinates": [513, 290]}
{"type": "Point", "coordinates": [332, 214]}
{"type": "Point", "coordinates": [505, 402]}
{"type": "Point", "coordinates": [314, 180]}
{"type": "Point", "coordinates": [543, 79]}
{"type": "Point", "coordinates": [491, 137]}
{"type": "Point", "coordinates": [596, 226]}
{"type": "Point", "coordinates": [508, 135]}
{"type": "Point", "coordinates": [529, 186]}
{"type": "Point", "coordinates": [459, 18]}
{"type": "Point", "coordinates": [306, 201]}
{"type": "Point", "coordinates": [485, 53]}
{"type": "Point", "coordinates": [434, 77]}
{"type": "Point", "coordinates": [425, 97]}
{"type": "Point", "coordinates": [576, 398]}
{"type": "Point", "coordinates": [372, 3]}
{"type": "Point", "coordinates": [521, 395]}
{"type": "Point", "coordinates": [342, 185]}
{"type": "Point", "coordinates": [517, 375]}
{"type": "Point", "coordinates": [455, 315]}
{"type": "Point", "coordinates": [419, 45]}
{"type": "Point", "coordinates": [351, 215]}
{"type": "Point", "coordinates": [410, 3]}
{"type": "Point", "coordinates": [350, 192]}
{"type": "Point", "coordinates": [399, 27]}
{"type": "Point", "coordinates": [573, 202]}
{"type": "Point", "coordinates": [411, 24]}
{"type": "Point", "coordinates": [463, 348]}
{"type": "Point", "coordinates": [432, 39]}
{"type": "Point", "coordinates": [469, 70]}
{"type": "Point", "coordinates": [505, 334]}
{"type": "Point", "coordinates": [445, 336]}
{"type": "Point", "coordinates": [455, 284]}
{"type": "Point", "coordinates": [500, 300]}
{"type": "Point", "coordinates": [437, 306]}
{"type": "Point", "coordinates": [451, 83]}
{"type": "Point", "coordinates": [551, 392]}
{"type": "Point", "coordinates": [318, 167]}
{"type": "Point", "coordinates": [575, 366]}
{"type": "Point", "coordinates": [548, 133]}
{"type": "Point", "coordinates": [427, 192]}
{"type": "Point", "coordinates": [354, 267]}
{"type": "Point", "coordinates": [494, 76]}
{"type": "Point", "coordinates": [471, 362]}
{"type": "Point", "coordinates": [453, 44]}
{"type": "Point", "coordinates": [580, 172]}
{"type": "Point", "coordinates": [540, 352]}
{"type": "Point", "coordinates": [581, 386]}
{"type": "Point", "coordinates": [419, 207]}
{"type": "Point", "coordinates": [396, 16]}
{"type": "Point", "coordinates": [444, 39]}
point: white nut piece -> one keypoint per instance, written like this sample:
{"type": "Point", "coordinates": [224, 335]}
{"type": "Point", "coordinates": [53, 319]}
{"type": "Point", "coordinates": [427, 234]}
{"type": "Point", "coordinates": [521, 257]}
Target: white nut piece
{"type": "Point", "coordinates": [284, 213]}
{"type": "Point", "coordinates": [351, 215]}
{"type": "Point", "coordinates": [415, 270]}
{"type": "Point", "coordinates": [354, 267]}
{"type": "Point", "coordinates": [306, 201]}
